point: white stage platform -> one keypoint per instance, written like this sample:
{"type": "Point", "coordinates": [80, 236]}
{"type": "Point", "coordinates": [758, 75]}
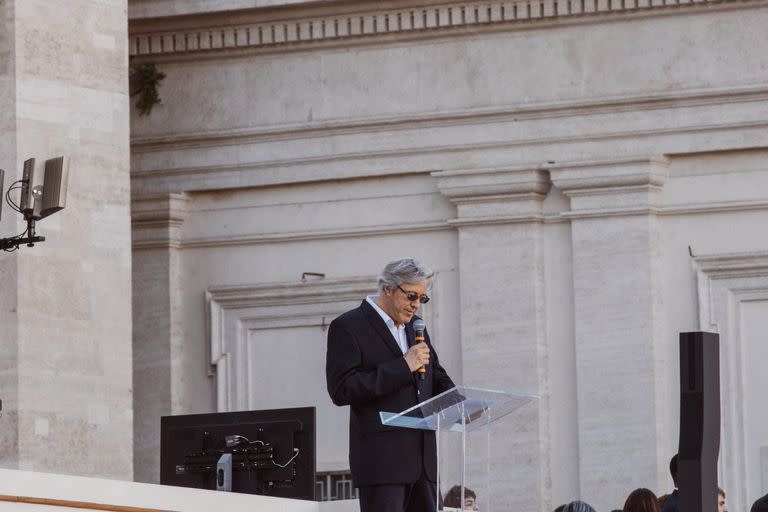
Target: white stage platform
{"type": "Point", "coordinates": [25, 491]}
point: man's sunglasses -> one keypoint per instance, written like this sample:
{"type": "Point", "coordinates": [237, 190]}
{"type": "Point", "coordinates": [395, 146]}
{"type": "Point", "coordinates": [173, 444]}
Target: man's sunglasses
{"type": "Point", "coordinates": [413, 296]}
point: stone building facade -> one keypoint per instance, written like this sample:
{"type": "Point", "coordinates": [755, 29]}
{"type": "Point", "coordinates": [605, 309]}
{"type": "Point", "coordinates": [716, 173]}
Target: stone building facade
{"type": "Point", "coordinates": [587, 177]}
{"type": "Point", "coordinates": [65, 307]}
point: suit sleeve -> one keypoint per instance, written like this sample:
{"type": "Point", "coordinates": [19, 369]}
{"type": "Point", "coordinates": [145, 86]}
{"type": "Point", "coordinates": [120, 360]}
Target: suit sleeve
{"type": "Point", "coordinates": [351, 384]}
{"type": "Point", "coordinates": [440, 380]}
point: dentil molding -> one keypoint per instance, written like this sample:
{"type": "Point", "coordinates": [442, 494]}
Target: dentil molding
{"type": "Point", "coordinates": [284, 28]}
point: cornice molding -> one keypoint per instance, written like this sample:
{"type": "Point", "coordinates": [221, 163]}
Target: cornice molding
{"type": "Point", "coordinates": [462, 186]}
{"type": "Point", "coordinates": [150, 242]}
{"type": "Point", "coordinates": [495, 220]}
{"type": "Point", "coordinates": [167, 208]}
{"type": "Point", "coordinates": [146, 235]}
{"type": "Point", "coordinates": [156, 221]}
{"type": "Point", "coordinates": [282, 29]}
{"type": "Point", "coordinates": [293, 292]}
{"type": "Point", "coordinates": [305, 168]}
{"type": "Point", "coordinates": [498, 195]}
{"type": "Point", "coordinates": [599, 177]}
{"type": "Point", "coordinates": [733, 265]}
{"type": "Point", "coordinates": [718, 207]}
{"type": "Point", "coordinates": [660, 100]}
{"type": "Point", "coordinates": [611, 188]}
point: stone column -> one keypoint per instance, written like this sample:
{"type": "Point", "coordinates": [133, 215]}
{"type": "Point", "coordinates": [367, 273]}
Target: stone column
{"type": "Point", "coordinates": [504, 346]}
{"type": "Point", "coordinates": [618, 322]}
{"type": "Point", "coordinates": [157, 324]}
{"type": "Point", "coordinates": [65, 342]}
{"type": "Point", "coordinates": [9, 225]}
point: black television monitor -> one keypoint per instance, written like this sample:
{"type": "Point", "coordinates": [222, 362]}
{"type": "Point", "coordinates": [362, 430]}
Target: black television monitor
{"type": "Point", "coordinates": [273, 451]}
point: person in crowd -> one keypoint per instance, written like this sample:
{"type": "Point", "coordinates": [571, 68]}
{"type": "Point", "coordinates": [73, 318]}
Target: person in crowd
{"type": "Point", "coordinates": [578, 506]}
{"type": "Point", "coordinates": [721, 507]}
{"type": "Point", "coordinates": [761, 505]}
{"type": "Point", "coordinates": [662, 500]}
{"type": "Point", "coordinates": [671, 504]}
{"type": "Point", "coordinates": [559, 509]}
{"type": "Point", "coordinates": [453, 499]}
{"type": "Point", "coordinates": [641, 500]}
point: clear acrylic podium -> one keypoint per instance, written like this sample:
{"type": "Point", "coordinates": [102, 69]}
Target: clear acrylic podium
{"type": "Point", "coordinates": [461, 409]}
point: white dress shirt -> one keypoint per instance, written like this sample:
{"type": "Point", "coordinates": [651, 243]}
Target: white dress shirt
{"type": "Point", "coordinates": [397, 332]}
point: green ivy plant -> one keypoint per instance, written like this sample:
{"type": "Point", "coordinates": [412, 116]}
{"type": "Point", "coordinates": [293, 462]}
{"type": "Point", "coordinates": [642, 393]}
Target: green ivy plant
{"type": "Point", "coordinates": [144, 79]}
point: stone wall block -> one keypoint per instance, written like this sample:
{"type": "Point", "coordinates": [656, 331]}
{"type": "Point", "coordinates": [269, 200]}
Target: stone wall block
{"type": "Point", "coordinates": [503, 329]}
{"type": "Point", "coordinates": [617, 348]}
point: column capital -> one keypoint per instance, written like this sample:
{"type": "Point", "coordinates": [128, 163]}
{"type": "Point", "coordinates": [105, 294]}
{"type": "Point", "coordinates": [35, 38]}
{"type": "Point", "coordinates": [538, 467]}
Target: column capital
{"type": "Point", "coordinates": [611, 187]}
{"type": "Point", "coordinates": [495, 195]}
{"type": "Point", "coordinates": [156, 220]}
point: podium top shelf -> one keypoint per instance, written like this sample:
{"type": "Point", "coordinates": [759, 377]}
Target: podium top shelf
{"type": "Point", "coordinates": [460, 408]}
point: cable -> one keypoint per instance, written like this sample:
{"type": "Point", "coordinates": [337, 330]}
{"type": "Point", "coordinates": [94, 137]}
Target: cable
{"type": "Point", "coordinates": [9, 200]}
{"type": "Point", "coordinates": [296, 452]}
{"type": "Point", "coordinates": [15, 247]}
{"type": "Point", "coordinates": [247, 466]}
{"type": "Point", "coordinates": [237, 437]}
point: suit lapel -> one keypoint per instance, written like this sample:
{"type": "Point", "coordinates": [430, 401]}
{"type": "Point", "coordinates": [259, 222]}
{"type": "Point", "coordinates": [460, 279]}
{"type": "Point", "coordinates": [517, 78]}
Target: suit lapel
{"type": "Point", "coordinates": [410, 334]}
{"type": "Point", "coordinates": [381, 328]}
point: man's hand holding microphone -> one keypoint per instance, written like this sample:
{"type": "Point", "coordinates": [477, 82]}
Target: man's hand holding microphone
{"type": "Point", "coordinates": [417, 356]}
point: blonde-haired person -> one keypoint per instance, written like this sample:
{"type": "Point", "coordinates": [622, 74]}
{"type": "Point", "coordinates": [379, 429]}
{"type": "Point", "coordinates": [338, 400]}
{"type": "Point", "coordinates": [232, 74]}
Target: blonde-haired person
{"type": "Point", "coordinates": [721, 506]}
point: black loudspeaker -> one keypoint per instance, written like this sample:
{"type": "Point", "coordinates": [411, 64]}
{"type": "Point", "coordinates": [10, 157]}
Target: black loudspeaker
{"type": "Point", "coordinates": [699, 421]}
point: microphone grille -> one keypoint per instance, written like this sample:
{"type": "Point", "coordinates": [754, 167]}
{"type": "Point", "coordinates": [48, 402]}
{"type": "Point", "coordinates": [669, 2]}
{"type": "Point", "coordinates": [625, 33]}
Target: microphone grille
{"type": "Point", "coordinates": [419, 325]}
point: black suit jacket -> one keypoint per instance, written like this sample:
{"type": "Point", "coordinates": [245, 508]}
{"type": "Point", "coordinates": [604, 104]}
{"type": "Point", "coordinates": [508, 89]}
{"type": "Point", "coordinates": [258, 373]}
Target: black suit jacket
{"type": "Point", "coordinates": [760, 505]}
{"type": "Point", "coordinates": [365, 369]}
{"type": "Point", "coordinates": [671, 504]}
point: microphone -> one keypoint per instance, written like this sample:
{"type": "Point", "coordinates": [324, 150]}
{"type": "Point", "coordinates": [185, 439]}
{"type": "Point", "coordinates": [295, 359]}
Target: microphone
{"type": "Point", "coordinates": [420, 326]}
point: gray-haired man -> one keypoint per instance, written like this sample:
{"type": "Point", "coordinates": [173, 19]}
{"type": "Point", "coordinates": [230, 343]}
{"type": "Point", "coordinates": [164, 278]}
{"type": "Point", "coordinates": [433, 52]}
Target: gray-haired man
{"type": "Point", "coordinates": [372, 365]}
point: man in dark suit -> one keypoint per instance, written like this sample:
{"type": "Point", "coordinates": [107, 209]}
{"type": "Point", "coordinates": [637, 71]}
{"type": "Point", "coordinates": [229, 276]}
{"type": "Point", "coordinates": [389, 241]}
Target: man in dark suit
{"type": "Point", "coordinates": [671, 504]}
{"type": "Point", "coordinates": [760, 505]}
{"type": "Point", "coordinates": [372, 365]}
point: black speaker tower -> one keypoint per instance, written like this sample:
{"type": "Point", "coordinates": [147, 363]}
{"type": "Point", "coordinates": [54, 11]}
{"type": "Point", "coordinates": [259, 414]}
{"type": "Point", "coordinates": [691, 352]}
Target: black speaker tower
{"type": "Point", "coordinates": [699, 421]}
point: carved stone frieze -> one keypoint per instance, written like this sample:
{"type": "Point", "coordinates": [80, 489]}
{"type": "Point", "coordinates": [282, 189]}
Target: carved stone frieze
{"type": "Point", "coordinates": [284, 28]}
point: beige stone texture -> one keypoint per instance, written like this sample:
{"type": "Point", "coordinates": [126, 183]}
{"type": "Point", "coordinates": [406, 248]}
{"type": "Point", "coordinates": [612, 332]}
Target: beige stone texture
{"type": "Point", "coordinates": [587, 179]}
{"type": "Point", "coordinates": [71, 325]}
{"type": "Point", "coordinates": [9, 225]}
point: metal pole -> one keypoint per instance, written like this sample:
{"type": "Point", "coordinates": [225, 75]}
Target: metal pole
{"type": "Point", "coordinates": [437, 442]}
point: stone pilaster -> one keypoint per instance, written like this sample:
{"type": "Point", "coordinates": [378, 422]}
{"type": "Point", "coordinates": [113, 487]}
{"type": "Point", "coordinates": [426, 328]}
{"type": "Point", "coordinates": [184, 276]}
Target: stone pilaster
{"type": "Point", "coordinates": [9, 225]}
{"type": "Point", "coordinates": [618, 324]}
{"type": "Point", "coordinates": [157, 329]}
{"type": "Point", "coordinates": [504, 346]}
{"type": "Point", "coordinates": [65, 343]}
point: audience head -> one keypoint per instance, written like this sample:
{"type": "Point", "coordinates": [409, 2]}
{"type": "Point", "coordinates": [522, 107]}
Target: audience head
{"type": "Point", "coordinates": [641, 500]}
{"type": "Point", "coordinates": [559, 509]}
{"type": "Point", "coordinates": [673, 469]}
{"type": "Point", "coordinates": [760, 505]}
{"type": "Point", "coordinates": [578, 506]}
{"type": "Point", "coordinates": [721, 501]}
{"type": "Point", "coordinates": [453, 498]}
{"type": "Point", "coordinates": [662, 500]}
